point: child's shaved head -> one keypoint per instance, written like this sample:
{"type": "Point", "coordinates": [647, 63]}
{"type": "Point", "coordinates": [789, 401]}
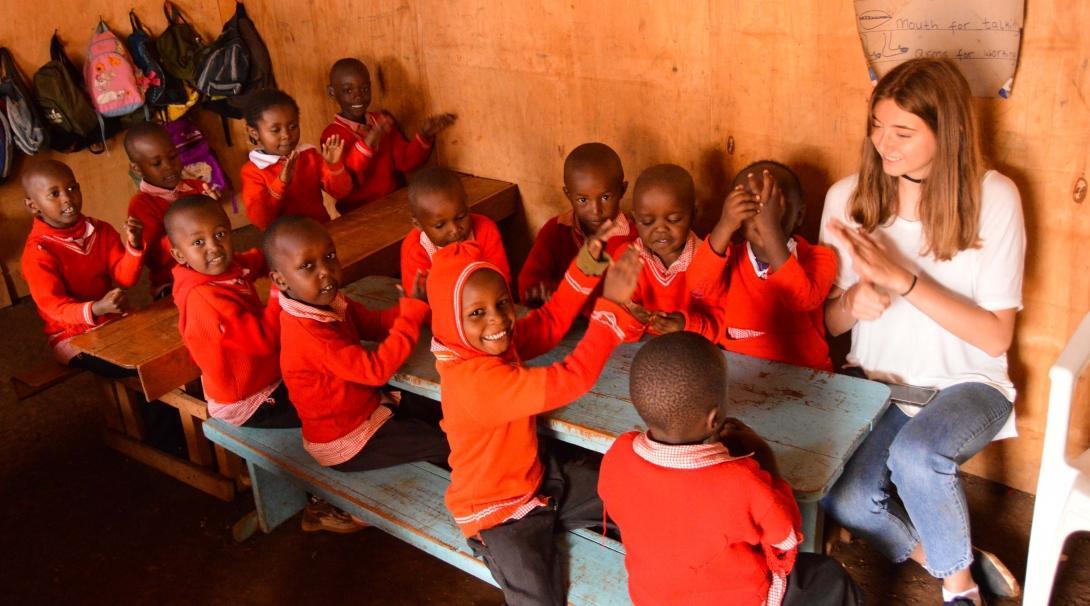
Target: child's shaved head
{"type": "Point", "coordinates": [669, 177]}
{"type": "Point", "coordinates": [597, 157]}
{"type": "Point", "coordinates": [188, 208]}
{"type": "Point", "coordinates": [287, 230]}
{"type": "Point", "coordinates": [676, 380]}
{"type": "Point", "coordinates": [44, 168]}
{"type": "Point", "coordinates": [431, 180]}
{"type": "Point", "coordinates": [349, 65]}
{"type": "Point", "coordinates": [145, 131]}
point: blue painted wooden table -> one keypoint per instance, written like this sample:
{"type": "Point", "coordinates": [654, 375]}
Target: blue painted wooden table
{"type": "Point", "coordinates": [813, 420]}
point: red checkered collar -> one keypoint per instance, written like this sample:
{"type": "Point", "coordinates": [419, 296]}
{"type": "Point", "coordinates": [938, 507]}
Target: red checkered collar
{"type": "Point", "coordinates": [681, 456]}
{"type": "Point", "coordinates": [78, 238]}
{"type": "Point", "coordinates": [164, 193]}
{"type": "Point", "coordinates": [309, 312]}
{"type": "Point", "coordinates": [665, 275]}
{"type": "Point", "coordinates": [360, 128]}
{"type": "Point", "coordinates": [568, 219]}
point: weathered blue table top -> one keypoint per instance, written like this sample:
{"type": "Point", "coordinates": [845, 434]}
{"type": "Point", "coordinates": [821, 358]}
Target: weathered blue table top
{"type": "Point", "coordinates": [814, 420]}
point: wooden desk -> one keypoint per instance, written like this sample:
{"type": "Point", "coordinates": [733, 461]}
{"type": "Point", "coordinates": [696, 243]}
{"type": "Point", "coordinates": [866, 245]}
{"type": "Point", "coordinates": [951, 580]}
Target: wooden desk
{"type": "Point", "coordinates": [147, 340]}
{"type": "Point", "coordinates": [813, 420]}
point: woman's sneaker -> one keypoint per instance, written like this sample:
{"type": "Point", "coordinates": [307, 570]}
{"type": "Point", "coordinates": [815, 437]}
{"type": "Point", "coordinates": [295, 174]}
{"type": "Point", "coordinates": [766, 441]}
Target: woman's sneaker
{"type": "Point", "coordinates": [993, 576]}
{"type": "Point", "coordinates": [320, 515]}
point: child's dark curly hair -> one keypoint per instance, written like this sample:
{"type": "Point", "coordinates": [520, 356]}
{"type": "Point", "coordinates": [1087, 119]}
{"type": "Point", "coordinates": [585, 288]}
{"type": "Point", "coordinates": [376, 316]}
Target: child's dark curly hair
{"type": "Point", "coordinates": [263, 100]}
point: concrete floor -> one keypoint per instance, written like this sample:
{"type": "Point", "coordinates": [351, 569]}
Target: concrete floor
{"type": "Point", "coordinates": [79, 523]}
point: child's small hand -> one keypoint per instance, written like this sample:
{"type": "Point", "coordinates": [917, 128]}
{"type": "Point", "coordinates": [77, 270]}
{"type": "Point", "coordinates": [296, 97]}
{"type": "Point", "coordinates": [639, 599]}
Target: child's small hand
{"type": "Point", "coordinates": [332, 149]}
{"type": "Point", "coordinates": [739, 206]}
{"type": "Point", "coordinates": [741, 440]}
{"type": "Point", "coordinates": [288, 171]}
{"type": "Point", "coordinates": [664, 323]}
{"type": "Point", "coordinates": [210, 191]}
{"type": "Point", "coordinates": [538, 294]}
{"type": "Point", "coordinates": [622, 277]}
{"type": "Point", "coordinates": [596, 243]}
{"type": "Point", "coordinates": [134, 233]}
{"type": "Point", "coordinates": [376, 133]}
{"type": "Point", "coordinates": [765, 231]}
{"type": "Point", "coordinates": [115, 302]}
{"type": "Point", "coordinates": [864, 301]}
{"type": "Point", "coordinates": [639, 312]}
{"type": "Point", "coordinates": [433, 125]}
{"type": "Point", "coordinates": [420, 286]}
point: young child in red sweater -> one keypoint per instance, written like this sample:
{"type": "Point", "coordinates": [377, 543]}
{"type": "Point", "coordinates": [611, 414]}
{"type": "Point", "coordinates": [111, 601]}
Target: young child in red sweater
{"type": "Point", "coordinates": [334, 381]}
{"type": "Point", "coordinates": [594, 185]}
{"type": "Point", "coordinates": [153, 155]}
{"type": "Point", "coordinates": [283, 177]}
{"type": "Point", "coordinates": [378, 154]}
{"type": "Point", "coordinates": [437, 201]}
{"type": "Point", "coordinates": [72, 263]}
{"type": "Point", "coordinates": [232, 336]}
{"type": "Point", "coordinates": [775, 282]}
{"type": "Point", "coordinates": [663, 205]}
{"type": "Point", "coordinates": [506, 502]}
{"type": "Point", "coordinates": [703, 513]}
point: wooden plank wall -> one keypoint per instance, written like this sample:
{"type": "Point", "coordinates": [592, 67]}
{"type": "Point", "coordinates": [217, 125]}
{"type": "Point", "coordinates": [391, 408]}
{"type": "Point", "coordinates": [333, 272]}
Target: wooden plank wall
{"type": "Point", "coordinates": [659, 82]}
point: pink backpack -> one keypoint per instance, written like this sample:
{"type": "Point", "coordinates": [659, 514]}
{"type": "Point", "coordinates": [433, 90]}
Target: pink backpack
{"type": "Point", "coordinates": [110, 76]}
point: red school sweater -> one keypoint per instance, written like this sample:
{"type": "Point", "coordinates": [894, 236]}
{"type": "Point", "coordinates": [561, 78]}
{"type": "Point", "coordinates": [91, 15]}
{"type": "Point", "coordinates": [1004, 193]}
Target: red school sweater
{"type": "Point", "coordinates": [669, 289]}
{"type": "Point", "coordinates": [267, 198]}
{"type": "Point", "coordinates": [490, 402]}
{"type": "Point", "coordinates": [779, 318]}
{"type": "Point", "coordinates": [417, 250]}
{"type": "Point", "coordinates": [557, 243]}
{"type": "Point", "coordinates": [375, 172]}
{"type": "Point", "coordinates": [150, 205]}
{"type": "Point", "coordinates": [69, 269]}
{"type": "Point", "coordinates": [332, 379]}
{"type": "Point", "coordinates": [700, 527]}
{"type": "Point", "coordinates": [232, 336]}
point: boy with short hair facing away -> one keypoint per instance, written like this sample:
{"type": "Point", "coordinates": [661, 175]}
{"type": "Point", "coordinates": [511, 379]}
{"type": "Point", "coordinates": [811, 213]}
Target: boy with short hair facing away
{"type": "Point", "coordinates": [283, 177]}
{"type": "Point", "coordinates": [232, 336]}
{"type": "Point", "coordinates": [704, 516]}
{"type": "Point", "coordinates": [72, 262]}
{"type": "Point", "coordinates": [437, 201]}
{"type": "Point", "coordinates": [505, 501]}
{"type": "Point", "coordinates": [153, 155]}
{"type": "Point", "coordinates": [594, 184]}
{"type": "Point", "coordinates": [663, 205]}
{"type": "Point", "coordinates": [334, 381]}
{"type": "Point", "coordinates": [773, 283]}
{"type": "Point", "coordinates": [377, 154]}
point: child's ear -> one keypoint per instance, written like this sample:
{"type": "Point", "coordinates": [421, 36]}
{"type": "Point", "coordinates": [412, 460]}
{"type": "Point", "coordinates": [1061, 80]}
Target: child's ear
{"type": "Point", "coordinates": [278, 280]}
{"type": "Point", "coordinates": [416, 223]}
{"type": "Point", "coordinates": [624, 188]}
{"type": "Point", "coordinates": [32, 206]}
{"type": "Point", "coordinates": [133, 168]}
{"type": "Point", "coordinates": [566, 194]}
{"type": "Point", "coordinates": [251, 132]}
{"type": "Point", "coordinates": [178, 257]}
{"type": "Point", "coordinates": [712, 422]}
{"type": "Point", "coordinates": [329, 91]}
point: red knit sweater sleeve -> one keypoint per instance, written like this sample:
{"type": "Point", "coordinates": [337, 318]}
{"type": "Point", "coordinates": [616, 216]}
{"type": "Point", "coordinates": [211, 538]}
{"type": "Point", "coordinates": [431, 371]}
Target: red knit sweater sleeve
{"type": "Point", "coordinates": [335, 179]}
{"type": "Point", "coordinates": [261, 194]}
{"type": "Point", "coordinates": [375, 325]}
{"type": "Point", "coordinates": [776, 516]}
{"type": "Point", "coordinates": [708, 271]}
{"type": "Point", "coordinates": [217, 323]}
{"type": "Point", "coordinates": [413, 259]}
{"type": "Point", "coordinates": [706, 318]}
{"type": "Point", "coordinates": [541, 264]}
{"type": "Point", "coordinates": [408, 154]}
{"type": "Point", "coordinates": [349, 360]}
{"type": "Point", "coordinates": [124, 262]}
{"type": "Point", "coordinates": [43, 276]}
{"type": "Point", "coordinates": [804, 283]}
{"type": "Point", "coordinates": [488, 236]}
{"type": "Point", "coordinates": [254, 260]}
{"type": "Point", "coordinates": [543, 328]}
{"type": "Point", "coordinates": [357, 155]}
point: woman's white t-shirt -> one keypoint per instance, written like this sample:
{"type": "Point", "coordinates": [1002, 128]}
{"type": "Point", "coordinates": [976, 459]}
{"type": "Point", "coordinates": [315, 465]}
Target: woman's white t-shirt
{"type": "Point", "coordinates": [906, 346]}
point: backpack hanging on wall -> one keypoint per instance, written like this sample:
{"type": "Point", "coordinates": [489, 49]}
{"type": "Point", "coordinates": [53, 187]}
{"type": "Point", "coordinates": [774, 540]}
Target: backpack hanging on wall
{"type": "Point", "coordinates": [163, 88]}
{"type": "Point", "coordinates": [61, 96]}
{"type": "Point", "coordinates": [111, 76]}
{"type": "Point", "coordinates": [198, 161]}
{"type": "Point", "coordinates": [5, 147]}
{"type": "Point", "coordinates": [27, 128]}
{"type": "Point", "coordinates": [236, 65]}
{"type": "Point", "coordinates": [180, 46]}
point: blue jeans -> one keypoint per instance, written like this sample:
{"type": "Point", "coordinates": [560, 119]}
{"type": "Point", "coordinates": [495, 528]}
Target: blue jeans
{"type": "Point", "coordinates": [901, 488]}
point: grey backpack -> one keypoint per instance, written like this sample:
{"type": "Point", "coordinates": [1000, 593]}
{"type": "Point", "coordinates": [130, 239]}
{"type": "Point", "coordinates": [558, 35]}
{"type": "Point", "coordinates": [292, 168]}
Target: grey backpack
{"type": "Point", "coordinates": [24, 120]}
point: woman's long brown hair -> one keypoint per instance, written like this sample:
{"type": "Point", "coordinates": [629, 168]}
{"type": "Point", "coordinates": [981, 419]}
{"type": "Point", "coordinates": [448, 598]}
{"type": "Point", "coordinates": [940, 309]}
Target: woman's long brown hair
{"type": "Point", "coordinates": [934, 90]}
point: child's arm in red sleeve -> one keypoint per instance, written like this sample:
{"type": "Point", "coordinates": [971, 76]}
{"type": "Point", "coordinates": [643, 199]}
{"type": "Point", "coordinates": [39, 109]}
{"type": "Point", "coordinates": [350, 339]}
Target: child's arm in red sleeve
{"type": "Point", "coordinates": [375, 325]}
{"type": "Point", "coordinates": [413, 258]}
{"type": "Point", "coordinates": [50, 294]}
{"type": "Point", "coordinates": [705, 318]}
{"type": "Point", "coordinates": [353, 362]}
{"type": "Point", "coordinates": [707, 273]}
{"type": "Point", "coordinates": [260, 195]}
{"type": "Point", "coordinates": [804, 282]}
{"type": "Point", "coordinates": [408, 154]}
{"type": "Point", "coordinates": [124, 263]}
{"type": "Point", "coordinates": [357, 154]}
{"type": "Point", "coordinates": [540, 265]}
{"type": "Point", "coordinates": [543, 328]}
{"type": "Point", "coordinates": [335, 179]}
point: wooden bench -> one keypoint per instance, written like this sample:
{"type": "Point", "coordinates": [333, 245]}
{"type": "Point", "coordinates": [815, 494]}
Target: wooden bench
{"type": "Point", "coordinates": [405, 501]}
{"type": "Point", "coordinates": [40, 377]}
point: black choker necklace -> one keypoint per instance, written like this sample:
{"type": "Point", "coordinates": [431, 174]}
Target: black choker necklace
{"type": "Point", "coordinates": [911, 179]}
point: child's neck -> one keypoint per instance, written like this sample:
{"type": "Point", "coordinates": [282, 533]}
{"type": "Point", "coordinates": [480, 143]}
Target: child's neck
{"type": "Point", "coordinates": [307, 303]}
{"type": "Point", "coordinates": [670, 258]}
{"type": "Point", "coordinates": [360, 120]}
{"type": "Point", "coordinates": [678, 438]}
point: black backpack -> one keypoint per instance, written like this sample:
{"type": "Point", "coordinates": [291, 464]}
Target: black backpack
{"type": "Point", "coordinates": [6, 159]}
{"type": "Point", "coordinates": [163, 88]}
{"type": "Point", "coordinates": [180, 47]}
{"type": "Point", "coordinates": [27, 128]}
{"type": "Point", "coordinates": [62, 98]}
{"type": "Point", "coordinates": [236, 66]}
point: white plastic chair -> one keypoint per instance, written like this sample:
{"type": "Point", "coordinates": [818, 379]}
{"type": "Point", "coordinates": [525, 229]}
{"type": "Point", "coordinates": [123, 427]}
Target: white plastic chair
{"type": "Point", "coordinates": [1063, 486]}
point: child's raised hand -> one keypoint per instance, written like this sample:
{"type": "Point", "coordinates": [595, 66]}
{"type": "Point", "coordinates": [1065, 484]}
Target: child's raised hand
{"type": "Point", "coordinates": [639, 312]}
{"type": "Point", "coordinates": [596, 243]}
{"type": "Point", "coordinates": [622, 277]}
{"type": "Point", "coordinates": [537, 295]}
{"type": "Point", "coordinates": [765, 230]}
{"type": "Point", "coordinates": [210, 191]}
{"type": "Point", "coordinates": [115, 302]}
{"type": "Point", "coordinates": [865, 302]}
{"type": "Point", "coordinates": [739, 206]}
{"type": "Point", "coordinates": [288, 171]}
{"type": "Point", "coordinates": [376, 133]}
{"type": "Point", "coordinates": [134, 233]}
{"type": "Point", "coordinates": [664, 323]}
{"type": "Point", "coordinates": [433, 125]}
{"type": "Point", "coordinates": [420, 286]}
{"type": "Point", "coordinates": [332, 148]}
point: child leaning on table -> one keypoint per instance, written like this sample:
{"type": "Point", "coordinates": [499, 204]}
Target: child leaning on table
{"type": "Point", "coordinates": [704, 516]}
{"type": "Point", "coordinates": [506, 502]}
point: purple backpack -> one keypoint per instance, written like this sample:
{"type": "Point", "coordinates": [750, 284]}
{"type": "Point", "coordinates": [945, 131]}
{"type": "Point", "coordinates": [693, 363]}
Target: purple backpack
{"type": "Point", "coordinates": [198, 161]}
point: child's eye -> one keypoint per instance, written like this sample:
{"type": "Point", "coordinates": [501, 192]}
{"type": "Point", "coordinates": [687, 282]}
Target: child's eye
{"type": "Point", "coordinates": [331, 256]}
{"type": "Point", "coordinates": [439, 225]}
{"type": "Point", "coordinates": [293, 126]}
{"type": "Point", "coordinates": [581, 200]}
{"type": "Point", "coordinates": [307, 266]}
{"type": "Point", "coordinates": [904, 136]}
{"type": "Point", "coordinates": [220, 235]}
{"type": "Point", "coordinates": [476, 313]}
{"type": "Point", "coordinates": [198, 243]}
{"type": "Point", "coordinates": [605, 197]}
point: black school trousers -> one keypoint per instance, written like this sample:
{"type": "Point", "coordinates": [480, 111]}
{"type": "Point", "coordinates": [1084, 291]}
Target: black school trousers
{"type": "Point", "coordinates": [818, 580]}
{"type": "Point", "coordinates": [402, 439]}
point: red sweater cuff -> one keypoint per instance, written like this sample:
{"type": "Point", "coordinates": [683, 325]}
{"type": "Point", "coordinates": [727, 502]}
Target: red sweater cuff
{"type": "Point", "coordinates": [414, 310]}
{"type": "Point", "coordinates": [618, 319]}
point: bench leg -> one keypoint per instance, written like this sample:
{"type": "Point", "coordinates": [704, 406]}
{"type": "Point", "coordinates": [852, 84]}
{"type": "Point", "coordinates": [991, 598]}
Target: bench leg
{"type": "Point", "coordinates": [813, 524]}
{"type": "Point", "coordinates": [134, 425]}
{"type": "Point", "coordinates": [276, 498]}
{"type": "Point", "coordinates": [110, 408]}
{"type": "Point", "coordinates": [196, 445]}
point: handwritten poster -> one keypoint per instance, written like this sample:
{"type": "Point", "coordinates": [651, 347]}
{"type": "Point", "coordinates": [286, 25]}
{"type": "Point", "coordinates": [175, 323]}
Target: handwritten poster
{"type": "Point", "coordinates": [981, 36]}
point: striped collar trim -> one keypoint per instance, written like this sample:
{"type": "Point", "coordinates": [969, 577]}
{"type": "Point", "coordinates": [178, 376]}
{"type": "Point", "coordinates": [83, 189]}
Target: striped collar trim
{"type": "Point", "coordinates": [309, 312]}
{"type": "Point", "coordinates": [681, 456]}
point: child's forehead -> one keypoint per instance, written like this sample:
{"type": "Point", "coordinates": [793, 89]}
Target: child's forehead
{"type": "Point", "coordinates": [484, 283]}
{"type": "Point", "coordinates": [593, 173]}
{"type": "Point", "coordinates": [350, 73]}
{"type": "Point", "coordinates": [279, 113]}
{"type": "Point", "coordinates": [48, 179]}
{"type": "Point", "coordinates": [662, 194]}
{"type": "Point", "coordinates": [199, 219]}
{"type": "Point", "coordinates": [437, 200]}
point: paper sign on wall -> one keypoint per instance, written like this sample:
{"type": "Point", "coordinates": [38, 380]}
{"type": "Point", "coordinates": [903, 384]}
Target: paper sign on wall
{"type": "Point", "coordinates": [981, 36]}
